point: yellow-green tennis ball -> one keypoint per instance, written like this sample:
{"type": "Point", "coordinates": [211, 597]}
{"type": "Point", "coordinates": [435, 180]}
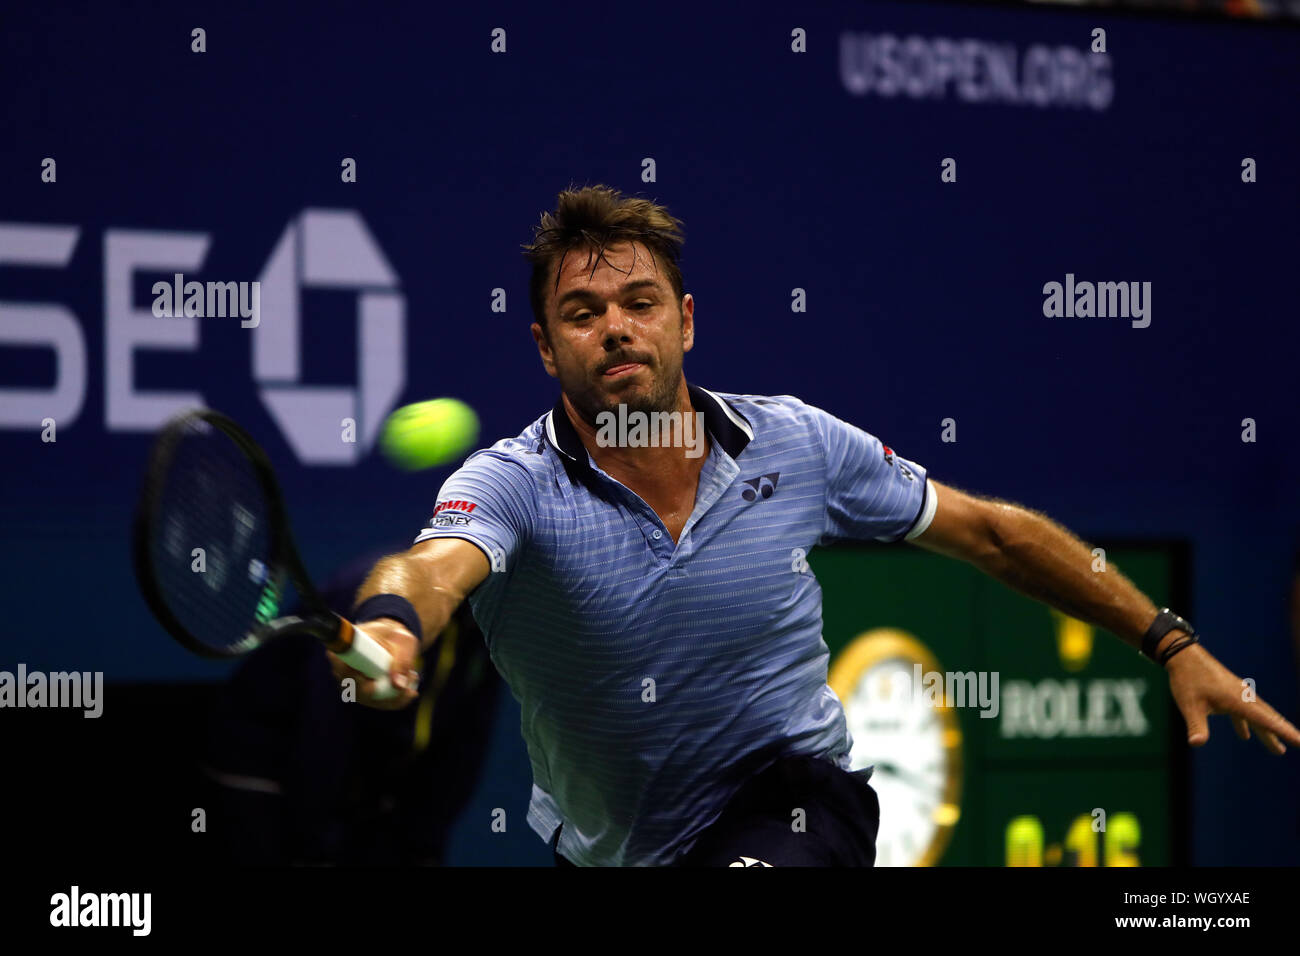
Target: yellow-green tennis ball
{"type": "Point", "coordinates": [429, 434]}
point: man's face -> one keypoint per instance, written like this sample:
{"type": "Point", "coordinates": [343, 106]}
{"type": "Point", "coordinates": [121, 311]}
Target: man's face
{"type": "Point", "coordinates": [616, 335]}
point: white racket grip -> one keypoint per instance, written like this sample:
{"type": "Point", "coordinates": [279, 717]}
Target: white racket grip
{"type": "Point", "coordinates": [368, 656]}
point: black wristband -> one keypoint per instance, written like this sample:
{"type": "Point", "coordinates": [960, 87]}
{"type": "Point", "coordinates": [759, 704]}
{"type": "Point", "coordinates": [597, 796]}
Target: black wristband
{"type": "Point", "coordinates": [389, 605]}
{"type": "Point", "coordinates": [1165, 622]}
{"type": "Point", "coordinates": [1179, 644]}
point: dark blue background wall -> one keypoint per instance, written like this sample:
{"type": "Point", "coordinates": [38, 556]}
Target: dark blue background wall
{"type": "Point", "coordinates": [924, 298]}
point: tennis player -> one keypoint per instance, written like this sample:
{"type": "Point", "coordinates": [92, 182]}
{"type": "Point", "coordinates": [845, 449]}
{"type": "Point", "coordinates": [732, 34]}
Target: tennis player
{"type": "Point", "coordinates": [651, 607]}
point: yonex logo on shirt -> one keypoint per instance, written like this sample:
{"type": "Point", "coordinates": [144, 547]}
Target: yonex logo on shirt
{"type": "Point", "coordinates": [465, 506]}
{"type": "Point", "coordinates": [450, 520]}
{"type": "Point", "coordinates": [760, 487]}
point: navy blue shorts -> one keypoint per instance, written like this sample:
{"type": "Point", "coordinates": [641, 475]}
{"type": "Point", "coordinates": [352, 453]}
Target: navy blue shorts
{"type": "Point", "coordinates": [760, 826]}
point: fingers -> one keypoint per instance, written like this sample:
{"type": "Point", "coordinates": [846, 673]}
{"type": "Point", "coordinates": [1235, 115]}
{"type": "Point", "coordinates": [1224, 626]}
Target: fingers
{"type": "Point", "coordinates": [1198, 728]}
{"type": "Point", "coordinates": [1202, 686]}
{"type": "Point", "coordinates": [405, 685]}
{"type": "Point", "coordinates": [1273, 730]}
{"type": "Point", "coordinates": [1284, 729]}
{"type": "Point", "coordinates": [1270, 727]}
{"type": "Point", "coordinates": [404, 670]}
{"type": "Point", "coordinates": [1270, 741]}
{"type": "Point", "coordinates": [1241, 726]}
{"type": "Point", "coordinates": [395, 699]}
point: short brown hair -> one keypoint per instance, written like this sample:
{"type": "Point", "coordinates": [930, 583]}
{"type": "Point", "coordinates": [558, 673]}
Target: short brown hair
{"type": "Point", "coordinates": [595, 217]}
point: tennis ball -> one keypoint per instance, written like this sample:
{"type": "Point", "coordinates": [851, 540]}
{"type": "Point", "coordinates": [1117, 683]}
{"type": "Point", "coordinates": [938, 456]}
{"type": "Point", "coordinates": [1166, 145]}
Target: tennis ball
{"type": "Point", "coordinates": [429, 434]}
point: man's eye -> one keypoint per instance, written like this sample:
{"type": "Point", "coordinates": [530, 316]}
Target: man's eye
{"type": "Point", "coordinates": [643, 304]}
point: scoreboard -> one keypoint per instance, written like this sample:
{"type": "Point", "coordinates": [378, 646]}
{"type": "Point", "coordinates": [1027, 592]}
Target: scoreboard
{"type": "Point", "coordinates": [1001, 731]}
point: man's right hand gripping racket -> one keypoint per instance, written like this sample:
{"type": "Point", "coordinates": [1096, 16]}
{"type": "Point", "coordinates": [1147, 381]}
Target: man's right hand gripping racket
{"type": "Point", "coordinates": [209, 486]}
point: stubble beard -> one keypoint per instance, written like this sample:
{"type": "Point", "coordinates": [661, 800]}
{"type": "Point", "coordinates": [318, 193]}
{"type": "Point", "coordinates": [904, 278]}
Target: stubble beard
{"type": "Point", "coordinates": [661, 396]}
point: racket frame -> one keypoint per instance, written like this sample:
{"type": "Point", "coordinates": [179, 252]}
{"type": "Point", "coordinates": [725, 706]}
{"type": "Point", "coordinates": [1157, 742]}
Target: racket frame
{"type": "Point", "coordinates": [338, 634]}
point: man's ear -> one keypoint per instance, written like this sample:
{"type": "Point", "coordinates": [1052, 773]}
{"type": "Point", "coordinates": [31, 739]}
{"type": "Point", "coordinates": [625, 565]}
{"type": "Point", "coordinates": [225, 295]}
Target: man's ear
{"type": "Point", "coordinates": [544, 349]}
{"type": "Point", "coordinates": [688, 322]}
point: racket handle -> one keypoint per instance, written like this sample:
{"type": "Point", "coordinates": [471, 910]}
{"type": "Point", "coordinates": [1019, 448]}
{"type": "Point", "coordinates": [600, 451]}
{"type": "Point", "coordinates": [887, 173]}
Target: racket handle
{"type": "Point", "coordinates": [369, 656]}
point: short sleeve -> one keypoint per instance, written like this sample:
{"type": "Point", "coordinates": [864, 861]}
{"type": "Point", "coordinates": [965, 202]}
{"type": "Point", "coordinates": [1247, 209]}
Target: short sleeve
{"type": "Point", "coordinates": [872, 494]}
{"type": "Point", "coordinates": [491, 502]}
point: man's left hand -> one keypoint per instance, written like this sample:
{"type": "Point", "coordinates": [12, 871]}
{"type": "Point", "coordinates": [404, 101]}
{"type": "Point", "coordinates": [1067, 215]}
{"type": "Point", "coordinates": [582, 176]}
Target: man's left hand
{"type": "Point", "coordinates": [1202, 686]}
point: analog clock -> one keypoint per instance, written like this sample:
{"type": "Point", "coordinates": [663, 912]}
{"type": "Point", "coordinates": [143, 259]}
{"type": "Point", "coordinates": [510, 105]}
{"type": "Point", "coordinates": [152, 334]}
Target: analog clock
{"type": "Point", "coordinates": [913, 742]}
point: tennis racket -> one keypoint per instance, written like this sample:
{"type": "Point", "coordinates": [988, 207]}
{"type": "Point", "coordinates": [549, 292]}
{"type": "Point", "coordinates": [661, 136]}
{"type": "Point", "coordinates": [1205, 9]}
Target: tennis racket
{"type": "Point", "coordinates": [214, 553]}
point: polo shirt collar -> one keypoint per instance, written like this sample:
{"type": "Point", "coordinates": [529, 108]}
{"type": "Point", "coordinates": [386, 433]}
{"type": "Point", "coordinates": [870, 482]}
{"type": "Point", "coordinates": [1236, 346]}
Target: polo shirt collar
{"type": "Point", "coordinates": [725, 425]}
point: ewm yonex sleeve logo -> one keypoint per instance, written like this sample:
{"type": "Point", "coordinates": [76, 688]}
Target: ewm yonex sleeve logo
{"type": "Point", "coordinates": [449, 514]}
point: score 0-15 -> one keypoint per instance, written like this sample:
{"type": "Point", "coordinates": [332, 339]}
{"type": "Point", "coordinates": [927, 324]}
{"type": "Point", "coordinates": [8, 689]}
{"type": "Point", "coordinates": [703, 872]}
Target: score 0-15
{"type": "Point", "coordinates": [1116, 845]}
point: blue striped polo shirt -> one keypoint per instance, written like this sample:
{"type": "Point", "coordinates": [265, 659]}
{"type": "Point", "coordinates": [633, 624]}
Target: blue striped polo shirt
{"type": "Point", "coordinates": [655, 678]}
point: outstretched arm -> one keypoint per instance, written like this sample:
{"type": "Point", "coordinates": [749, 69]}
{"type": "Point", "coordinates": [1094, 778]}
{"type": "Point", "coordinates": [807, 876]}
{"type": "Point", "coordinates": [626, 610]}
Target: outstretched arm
{"type": "Point", "coordinates": [1030, 553]}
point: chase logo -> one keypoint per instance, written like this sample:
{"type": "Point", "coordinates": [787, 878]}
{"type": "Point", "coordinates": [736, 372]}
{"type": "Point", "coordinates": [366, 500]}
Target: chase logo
{"type": "Point", "coordinates": [330, 249]}
{"type": "Point", "coordinates": [761, 487]}
{"type": "Point", "coordinates": [320, 249]}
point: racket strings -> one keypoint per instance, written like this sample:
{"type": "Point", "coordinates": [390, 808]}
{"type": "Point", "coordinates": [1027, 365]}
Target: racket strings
{"type": "Point", "coordinates": [212, 549]}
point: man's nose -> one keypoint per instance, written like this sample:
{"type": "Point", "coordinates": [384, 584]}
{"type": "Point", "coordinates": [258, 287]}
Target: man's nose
{"type": "Point", "coordinates": [618, 324]}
